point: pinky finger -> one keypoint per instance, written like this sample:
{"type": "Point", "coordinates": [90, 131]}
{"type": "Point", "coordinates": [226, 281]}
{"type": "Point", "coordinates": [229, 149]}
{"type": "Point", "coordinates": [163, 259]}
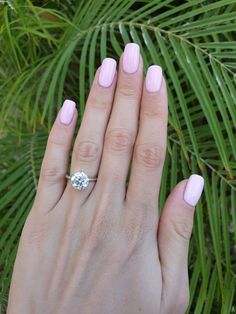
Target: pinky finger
{"type": "Point", "coordinates": [52, 179]}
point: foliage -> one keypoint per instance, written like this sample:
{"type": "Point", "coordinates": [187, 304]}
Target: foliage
{"type": "Point", "coordinates": [50, 50]}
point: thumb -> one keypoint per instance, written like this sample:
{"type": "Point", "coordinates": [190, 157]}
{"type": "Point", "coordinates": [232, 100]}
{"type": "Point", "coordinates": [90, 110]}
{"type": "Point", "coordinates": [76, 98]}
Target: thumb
{"type": "Point", "coordinates": [174, 232]}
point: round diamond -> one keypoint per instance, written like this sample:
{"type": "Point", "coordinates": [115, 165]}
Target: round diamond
{"type": "Point", "coordinates": [79, 180]}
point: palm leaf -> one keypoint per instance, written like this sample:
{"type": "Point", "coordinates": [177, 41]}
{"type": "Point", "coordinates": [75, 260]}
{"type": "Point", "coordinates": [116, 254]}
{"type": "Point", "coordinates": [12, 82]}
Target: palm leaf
{"type": "Point", "coordinates": [55, 50]}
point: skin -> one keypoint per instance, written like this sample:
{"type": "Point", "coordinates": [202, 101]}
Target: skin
{"type": "Point", "coordinates": [105, 250]}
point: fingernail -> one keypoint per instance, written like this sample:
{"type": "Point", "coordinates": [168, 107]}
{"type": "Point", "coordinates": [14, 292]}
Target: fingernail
{"type": "Point", "coordinates": [193, 189]}
{"type": "Point", "coordinates": [131, 58]}
{"type": "Point", "coordinates": [154, 78]}
{"type": "Point", "coordinates": [67, 111]}
{"type": "Point", "coordinates": [107, 72]}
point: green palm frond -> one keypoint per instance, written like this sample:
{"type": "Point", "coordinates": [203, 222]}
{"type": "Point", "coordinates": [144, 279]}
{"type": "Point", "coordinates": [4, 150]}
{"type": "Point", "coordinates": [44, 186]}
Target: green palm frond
{"type": "Point", "coordinates": [52, 52]}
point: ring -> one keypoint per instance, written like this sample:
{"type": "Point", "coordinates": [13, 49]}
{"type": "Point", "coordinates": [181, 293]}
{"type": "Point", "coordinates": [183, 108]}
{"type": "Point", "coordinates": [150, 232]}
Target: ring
{"type": "Point", "coordinates": [79, 180]}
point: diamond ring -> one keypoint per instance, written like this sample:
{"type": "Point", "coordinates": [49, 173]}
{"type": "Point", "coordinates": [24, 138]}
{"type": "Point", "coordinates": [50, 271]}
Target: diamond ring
{"type": "Point", "coordinates": [79, 180]}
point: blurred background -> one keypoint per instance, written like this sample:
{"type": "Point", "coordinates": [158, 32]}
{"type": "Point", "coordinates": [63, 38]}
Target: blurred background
{"type": "Point", "coordinates": [49, 51]}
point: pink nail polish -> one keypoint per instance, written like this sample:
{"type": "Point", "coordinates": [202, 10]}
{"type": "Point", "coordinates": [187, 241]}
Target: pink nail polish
{"type": "Point", "coordinates": [193, 189]}
{"type": "Point", "coordinates": [107, 72]}
{"type": "Point", "coordinates": [131, 58]}
{"type": "Point", "coordinates": [154, 78]}
{"type": "Point", "coordinates": [67, 111]}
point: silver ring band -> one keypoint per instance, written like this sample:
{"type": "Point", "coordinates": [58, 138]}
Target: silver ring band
{"type": "Point", "coordinates": [90, 179]}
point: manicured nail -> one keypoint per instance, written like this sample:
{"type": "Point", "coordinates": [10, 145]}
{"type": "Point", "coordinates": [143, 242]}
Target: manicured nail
{"type": "Point", "coordinates": [154, 78]}
{"type": "Point", "coordinates": [193, 189]}
{"type": "Point", "coordinates": [131, 58]}
{"type": "Point", "coordinates": [107, 72]}
{"type": "Point", "coordinates": [67, 111]}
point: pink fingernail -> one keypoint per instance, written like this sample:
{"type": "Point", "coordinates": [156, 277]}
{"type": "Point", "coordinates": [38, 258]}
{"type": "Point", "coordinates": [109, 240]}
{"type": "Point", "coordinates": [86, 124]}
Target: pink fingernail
{"type": "Point", "coordinates": [131, 58]}
{"type": "Point", "coordinates": [193, 189]}
{"type": "Point", "coordinates": [67, 111]}
{"type": "Point", "coordinates": [154, 78]}
{"type": "Point", "coordinates": [107, 72]}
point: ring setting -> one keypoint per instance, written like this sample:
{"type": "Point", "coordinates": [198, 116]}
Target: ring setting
{"type": "Point", "coordinates": [80, 180]}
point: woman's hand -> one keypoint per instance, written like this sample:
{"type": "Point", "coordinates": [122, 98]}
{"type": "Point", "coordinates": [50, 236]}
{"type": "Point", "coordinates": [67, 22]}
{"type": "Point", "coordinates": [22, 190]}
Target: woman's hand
{"type": "Point", "coordinates": [104, 249]}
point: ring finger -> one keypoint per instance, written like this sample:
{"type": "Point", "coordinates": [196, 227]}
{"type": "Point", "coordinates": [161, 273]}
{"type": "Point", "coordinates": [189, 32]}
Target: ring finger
{"type": "Point", "coordinates": [89, 141]}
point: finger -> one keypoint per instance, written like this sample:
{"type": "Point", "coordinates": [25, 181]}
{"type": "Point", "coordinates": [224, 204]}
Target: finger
{"type": "Point", "coordinates": [52, 179]}
{"type": "Point", "coordinates": [150, 145]}
{"type": "Point", "coordinates": [174, 231]}
{"type": "Point", "coordinates": [89, 141]}
{"type": "Point", "coordinates": [122, 126]}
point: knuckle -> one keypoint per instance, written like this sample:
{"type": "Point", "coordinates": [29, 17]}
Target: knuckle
{"type": "Point", "coordinates": [182, 227]}
{"type": "Point", "coordinates": [86, 151]}
{"type": "Point", "coordinates": [127, 89]}
{"type": "Point", "coordinates": [149, 155]}
{"type": "Point", "coordinates": [54, 139]}
{"type": "Point", "coordinates": [119, 140]}
{"type": "Point", "coordinates": [52, 174]}
{"type": "Point", "coordinates": [155, 109]}
{"type": "Point", "coordinates": [101, 103]}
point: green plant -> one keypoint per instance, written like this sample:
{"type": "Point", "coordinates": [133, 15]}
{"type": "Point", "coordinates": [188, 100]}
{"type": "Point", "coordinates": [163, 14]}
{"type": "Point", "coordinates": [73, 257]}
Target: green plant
{"type": "Point", "coordinates": [50, 51]}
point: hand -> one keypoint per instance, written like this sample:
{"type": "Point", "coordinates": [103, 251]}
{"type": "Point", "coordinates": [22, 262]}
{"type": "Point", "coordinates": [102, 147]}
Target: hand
{"type": "Point", "coordinates": [103, 249]}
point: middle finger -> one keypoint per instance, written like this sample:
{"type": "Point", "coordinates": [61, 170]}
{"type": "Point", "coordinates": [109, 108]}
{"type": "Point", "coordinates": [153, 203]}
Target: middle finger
{"type": "Point", "coordinates": [122, 127]}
